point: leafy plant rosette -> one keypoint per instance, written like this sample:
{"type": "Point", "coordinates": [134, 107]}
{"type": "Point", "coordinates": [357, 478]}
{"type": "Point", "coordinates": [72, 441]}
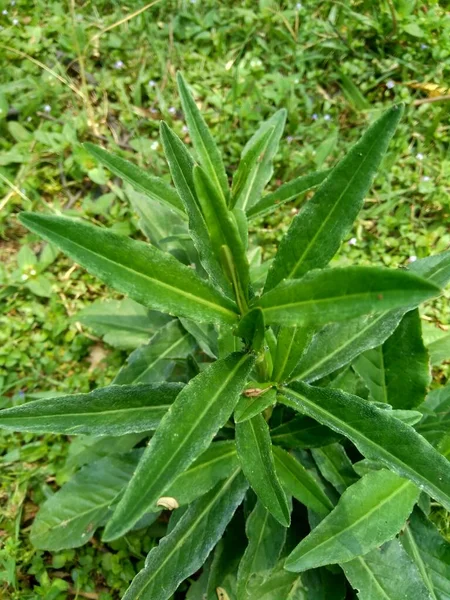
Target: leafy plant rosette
{"type": "Point", "coordinates": [280, 408]}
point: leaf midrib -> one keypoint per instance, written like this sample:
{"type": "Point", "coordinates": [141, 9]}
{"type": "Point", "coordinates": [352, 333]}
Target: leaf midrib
{"type": "Point", "coordinates": [354, 524]}
{"type": "Point", "coordinates": [420, 563]}
{"type": "Point", "coordinates": [382, 451]}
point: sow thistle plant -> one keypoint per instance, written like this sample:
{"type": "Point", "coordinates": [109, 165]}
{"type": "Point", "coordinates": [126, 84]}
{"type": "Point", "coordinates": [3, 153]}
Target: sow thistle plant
{"type": "Point", "coordinates": [280, 409]}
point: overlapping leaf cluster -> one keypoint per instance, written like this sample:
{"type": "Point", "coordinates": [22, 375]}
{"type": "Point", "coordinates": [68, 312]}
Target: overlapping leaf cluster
{"type": "Point", "coordinates": [288, 393]}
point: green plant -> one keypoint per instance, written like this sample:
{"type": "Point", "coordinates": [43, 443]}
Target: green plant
{"type": "Point", "coordinates": [285, 377]}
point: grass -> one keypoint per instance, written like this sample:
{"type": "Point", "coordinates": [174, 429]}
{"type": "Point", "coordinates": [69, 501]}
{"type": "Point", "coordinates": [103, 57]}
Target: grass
{"type": "Point", "coordinates": [101, 72]}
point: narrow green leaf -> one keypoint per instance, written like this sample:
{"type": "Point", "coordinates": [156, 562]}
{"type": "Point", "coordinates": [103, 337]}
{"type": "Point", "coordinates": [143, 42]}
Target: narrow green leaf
{"type": "Point", "coordinates": [153, 187]}
{"type": "Point", "coordinates": [329, 295]}
{"type": "Point", "coordinates": [149, 276]}
{"type": "Point", "coordinates": [353, 93]}
{"type": "Point", "coordinates": [250, 406]}
{"type": "Point", "coordinates": [204, 145]}
{"type": "Point", "coordinates": [262, 168]}
{"type": "Point", "coordinates": [200, 410]}
{"type": "Point", "coordinates": [303, 432]}
{"type": "Point", "coordinates": [398, 372]}
{"type": "Point", "coordinates": [204, 334]}
{"type": "Point", "coordinates": [300, 483]}
{"type": "Point", "coordinates": [377, 435]}
{"type": "Point", "coordinates": [256, 458]}
{"type": "Point", "coordinates": [439, 350]}
{"type": "Point", "coordinates": [221, 225]}
{"type": "Point", "coordinates": [435, 425]}
{"type": "Point", "coordinates": [338, 344]}
{"type": "Point", "coordinates": [185, 549]}
{"type": "Point", "coordinates": [291, 344]}
{"type": "Point", "coordinates": [285, 193]}
{"type": "Point", "coordinates": [155, 361]}
{"type": "Point", "coordinates": [430, 552]}
{"type": "Point", "coordinates": [317, 231]}
{"type": "Point", "coordinates": [386, 573]}
{"type": "Point", "coordinates": [181, 165]}
{"type": "Point", "coordinates": [112, 410]}
{"type": "Point", "coordinates": [369, 513]}
{"type": "Point", "coordinates": [123, 323]}
{"type": "Point", "coordinates": [335, 466]}
{"type": "Point", "coordinates": [70, 517]}
{"type": "Point", "coordinates": [266, 539]}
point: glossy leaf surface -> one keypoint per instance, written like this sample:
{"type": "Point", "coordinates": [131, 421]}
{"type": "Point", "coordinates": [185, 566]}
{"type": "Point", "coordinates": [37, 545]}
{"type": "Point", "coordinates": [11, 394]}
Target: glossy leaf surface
{"type": "Point", "coordinates": [255, 455]}
{"type": "Point", "coordinates": [201, 409]}
{"type": "Point", "coordinates": [369, 513]}
{"type": "Point", "coordinates": [317, 231]}
{"type": "Point", "coordinates": [149, 276]}
{"type": "Point", "coordinates": [377, 435]}
{"type": "Point", "coordinates": [331, 295]}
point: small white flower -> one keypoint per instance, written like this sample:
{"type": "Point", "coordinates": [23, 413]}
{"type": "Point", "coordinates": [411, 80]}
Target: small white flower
{"type": "Point", "coordinates": [172, 110]}
{"type": "Point", "coordinates": [327, 117]}
{"type": "Point", "coordinates": [424, 46]}
{"type": "Point", "coordinates": [185, 129]}
{"type": "Point", "coordinates": [47, 108]}
{"type": "Point", "coordinates": [298, 6]}
{"type": "Point", "coordinates": [314, 116]}
{"type": "Point", "coordinates": [118, 64]}
{"type": "Point", "coordinates": [153, 110]}
{"type": "Point", "coordinates": [289, 139]}
{"type": "Point", "coordinates": [4, 12]}
{"type": "Point", "coordinates": [13, 2]}
{"type": "Point", "coordinates": [193, 1]}
{"type": "Point", "coordinates": [28, 119]}
{"type": "Point", "coordinates": [390, 84]}
{"type": "Point", "coordinates": [152, 83]}
{"type": "Point", "coordinates": [154, 146]}
{"type": "Point", "coordinates": [412, 259]}
{"type": "Point", "coordinates": [426, 178]}
{"type": "Point", "coordinates": [24, 277]}
{"type": "Point", "coordinates": [420, 156]}
{"type": "Point", "coordinates": [32, 271]}
{"type": "Point", "coordinates": [15, 21]}
{"type": "Point", "coordinates": [352, 241]}
{"type": "Point", "coordinates": [296, 81]}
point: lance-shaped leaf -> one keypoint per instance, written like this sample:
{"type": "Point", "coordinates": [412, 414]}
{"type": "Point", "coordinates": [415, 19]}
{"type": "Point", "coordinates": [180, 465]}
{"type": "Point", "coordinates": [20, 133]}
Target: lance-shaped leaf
{"type": "Point", "coordinates": [338, 344]}
{"type": "Point", "coordinates": [256, 458]}
{"type": "Point", "coordinates": [435, 425]}
{"type": "Point", "coordinates": [204, 334]}
{"type": "Point", "coordinates": [153, 187]}
{"type": "Point", "coordinates": [149, 276]}
{"type": "Point", "coordinates": [262, 171]}
{"type": "Point", "coordinates": [266, 539]}
{"type": "Point", "coordinates": [329, 295]}
{"type": "Point", "coordinates": [369, 513]}
{"type": "Point", "coordinates": [221, 224]}
{"type": "Point", "coordinates": [200, 410]}
{"type": "Point", "coordinates": [112, 410]}
{"type": "Point", "coordinates": [291, 343]}
{"type": "Point", "coordinates": [300, 483]}
{"type": "Point", "coordinates": [155, 361]}
{"type": "Point", "coordinates": [430, 552]}
{"type": "Point", "coordinates": [398, 372]}
{"type": "Point", "coordinates": [285, 193]}
{"type": "Point", "coordinates": [335, 466]}
{"type": "Point", "coordinates": [181, 165]}
{"type": "Point", "coordinates": [303, 432]}
{"type": "Point", "coordinates": [123, 323]}
{"type": "Point", "coordinates": [386, 573]}
{"type": "Point", "coordinates": [70, 517]}
{"type": "Point", "coordinates": [251, 329]}
{"type": "Point", "coordinates": [185, 549]}
{"type": "Point", "coordinates": [317, 231]}
{"type": "Point", "coordinates": [203, 142]}
{"type": "Point", "coordinates": [251, 405]}
{"type": "Point", "coordinates": [377, 435]}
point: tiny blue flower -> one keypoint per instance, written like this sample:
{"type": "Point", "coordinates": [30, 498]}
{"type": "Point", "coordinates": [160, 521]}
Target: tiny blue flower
{"type": "Point", "coordinates": [424, 46]}
{"type": "Point", "coordinates": [289, 139]}
{"type": "Point", "coordinates": [420, 156]}
{"type": "Point", "coordinates": [352, 241]}
{"type": "Point", "coordinates": [390, 84]}
{"type": "Point", "coordinates": [172, 110]}
{"type": "Point", "coordinates": [152, 83]}
{"type": "Point", "coordinates": [185, 129]}
{"type": "Point", "coordinates": [47, 108]}
{"type": "Point", "coordinates": [153, 111]}
{"type": "Point", "coordinates": [118, 64]}
{"type": "Point", "coordinates": [327, 117]}
{"type": "Point", "coordinates": [298, 6]}
{"type": "Point", "coordinates": [314, 116]}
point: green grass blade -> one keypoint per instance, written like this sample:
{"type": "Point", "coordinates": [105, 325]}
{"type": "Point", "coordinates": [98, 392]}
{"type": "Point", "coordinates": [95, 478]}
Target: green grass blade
{"type": "Point", "coordinates": [256, 458]}
{"type": "Point", "coordinates": [149, 276]}
{"type": "Point", "coordinates": [153, 187]}
{"type": "Point", "coordinates": [330, 295]}
{"type": "Point", "coordinates": [317, 231]}
{"type": "Point", "coordinates": [370, 512]}
{"type": "Point", "coordinates": [203, 142]}
{"type": "Point", "coordinates": [112, 410]}
{"type": "Point", "coordinates": [200, 410]}
{"type": "Point", "coordinates": [377, 435]}
{"type": "Point", "coordinates": [184, 550]}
